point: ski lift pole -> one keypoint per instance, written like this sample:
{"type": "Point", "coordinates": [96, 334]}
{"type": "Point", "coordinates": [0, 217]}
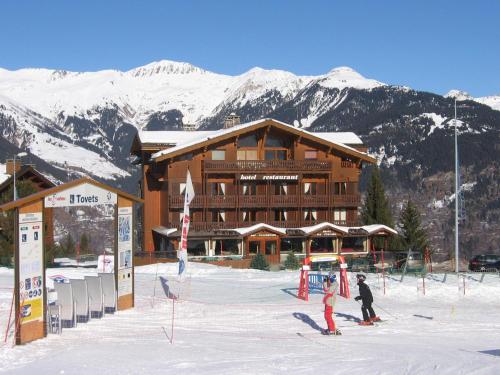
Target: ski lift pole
{"type": "Point", "coordinates": [383, 269]}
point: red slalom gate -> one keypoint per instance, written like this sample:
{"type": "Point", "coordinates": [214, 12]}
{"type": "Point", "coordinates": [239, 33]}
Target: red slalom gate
{"type": "Point", "coordinates": [304, 275]}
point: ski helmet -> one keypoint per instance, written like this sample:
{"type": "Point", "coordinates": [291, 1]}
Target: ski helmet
{"type": "Point", "coordinates": [333, 278]}
{"type": "Point", "coordinates": [360, 277]}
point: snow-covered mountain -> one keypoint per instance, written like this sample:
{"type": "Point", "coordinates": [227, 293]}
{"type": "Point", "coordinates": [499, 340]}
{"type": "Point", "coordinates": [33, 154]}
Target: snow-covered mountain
{"type": "Point", "coordinates": [156, 87]}
{"type": "Point", "coordinates": [84, 122]}
{"type": "Point", "coordinates": [492, 101]}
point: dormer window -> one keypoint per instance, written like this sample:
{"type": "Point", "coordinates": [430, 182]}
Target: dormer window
{"type": "Point", "coordinates": [218, 155]}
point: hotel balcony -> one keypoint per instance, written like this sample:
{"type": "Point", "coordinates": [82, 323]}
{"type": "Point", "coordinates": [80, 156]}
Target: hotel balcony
{"type": "Point", "coordinates": [350, 200]}
{"type": "Point", "coordinates": [264, 201]}
{"type": "Point", "coordinates": [267, 165]}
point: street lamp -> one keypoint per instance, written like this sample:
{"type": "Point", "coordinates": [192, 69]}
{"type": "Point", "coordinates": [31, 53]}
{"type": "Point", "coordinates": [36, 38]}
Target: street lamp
{"type": "Point", "coordinates": [19, 155]}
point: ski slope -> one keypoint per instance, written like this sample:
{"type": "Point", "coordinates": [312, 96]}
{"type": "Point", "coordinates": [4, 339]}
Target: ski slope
{"type": "Point", "coordinates": [231, 321]}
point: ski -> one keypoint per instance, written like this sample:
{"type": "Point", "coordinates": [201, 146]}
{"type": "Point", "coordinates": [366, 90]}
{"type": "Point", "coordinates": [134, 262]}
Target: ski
{"type": "Point", "coordinates": [325, 332]}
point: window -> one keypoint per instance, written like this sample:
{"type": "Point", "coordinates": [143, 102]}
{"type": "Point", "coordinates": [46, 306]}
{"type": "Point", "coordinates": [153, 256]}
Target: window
{"type": "Point", "coordinates": [227, 247]}
{"type": "Point", "coordinates": [217, 188]}
{"type": "Point", "coordinates": [249, 216]}
{"type": "Point", "coordinates": [197, 248]}
{"type": "Point", "coordinates": [354, 244]}
{"type": "Point", "coordinates": [246, 155]}
{"type": "Point", "coordinates": [248, 188]}
{"type": "Point", "coordinates": [311, 155]}
{"type": "Point", "coordinates": [289, 245]}
{"type": "Point", "coordinates": [280, 215]}
{"type": "Point", "coordinates": [340, 214]}
{"type": "Point", "coordinates": [322, 245]}
{"type": "Point", "coordinates": [275, 140]}
{"type": "Point", "coordinates": [218, 216]}
{"type": "Point", "coordinates": [271, 247]}
{"type": "Point", "coordinates": [340, 188]}
{"type": "Point", "coordinates": [310, 215]}
{"type": "Point", "coordinates": [275, 154]}
{"type": "Point", "coordinates": [281, 189]}
{"type": "Point", "coordinates": [253, 247]}
{"type": "Point", "coordinates": [218, 155]}
{"type": "Point", "coordinates": [310, 188]}
{"type": "Point", "coordinates": [249, 140]}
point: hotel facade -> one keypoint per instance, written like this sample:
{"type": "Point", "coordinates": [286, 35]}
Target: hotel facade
{"type": "Point", "coordinates": [261, 187]}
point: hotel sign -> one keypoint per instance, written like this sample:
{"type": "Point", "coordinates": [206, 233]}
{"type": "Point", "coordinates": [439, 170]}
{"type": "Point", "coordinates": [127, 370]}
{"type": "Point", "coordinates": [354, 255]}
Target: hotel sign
{"type": "Point", "coordinates": [255, 177]}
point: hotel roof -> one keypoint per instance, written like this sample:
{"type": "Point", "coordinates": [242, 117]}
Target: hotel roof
{"type": "Point", "coordinates": [187, 141]}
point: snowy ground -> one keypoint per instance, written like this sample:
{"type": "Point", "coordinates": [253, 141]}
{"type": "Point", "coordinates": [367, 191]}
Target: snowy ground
{"type": "Point", "coordinates": [249, 322]}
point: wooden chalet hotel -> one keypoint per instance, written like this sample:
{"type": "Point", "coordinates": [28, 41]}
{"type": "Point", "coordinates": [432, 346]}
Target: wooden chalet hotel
{"type": "Point", "coordinates": [261, 187]}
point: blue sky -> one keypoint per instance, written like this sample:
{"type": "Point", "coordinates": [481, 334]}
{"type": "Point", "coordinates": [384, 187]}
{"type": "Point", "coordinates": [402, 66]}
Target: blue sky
{"type": "Point", "coordinates": [428, 45]}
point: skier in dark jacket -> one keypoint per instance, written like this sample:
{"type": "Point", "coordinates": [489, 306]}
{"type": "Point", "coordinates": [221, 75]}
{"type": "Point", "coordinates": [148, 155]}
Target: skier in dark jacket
{"type": "Point", "coordinates": [365, 295]}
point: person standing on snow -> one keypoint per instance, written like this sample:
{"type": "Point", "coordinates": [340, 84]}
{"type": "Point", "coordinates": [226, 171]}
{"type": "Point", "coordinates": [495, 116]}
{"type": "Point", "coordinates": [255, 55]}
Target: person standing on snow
{"type": "Point", "coordinates": [365, 295]}
{"type": "Point", "coordinates": [330, 288]}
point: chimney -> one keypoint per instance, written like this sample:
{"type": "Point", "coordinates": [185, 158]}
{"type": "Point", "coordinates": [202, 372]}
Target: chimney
{"type": "Point", "coordinates": [231, 120]}
{"type": "Point", "coordinates": [9, 167]}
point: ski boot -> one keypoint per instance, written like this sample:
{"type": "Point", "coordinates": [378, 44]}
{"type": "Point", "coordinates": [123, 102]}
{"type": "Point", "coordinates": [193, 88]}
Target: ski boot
{"type": "Point", "coordinates": [375, 319]}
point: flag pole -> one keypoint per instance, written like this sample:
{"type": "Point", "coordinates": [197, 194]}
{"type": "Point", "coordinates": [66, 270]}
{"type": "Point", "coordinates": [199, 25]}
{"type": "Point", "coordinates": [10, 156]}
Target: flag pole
{"type": "Point", "coordinates": [456, 192]}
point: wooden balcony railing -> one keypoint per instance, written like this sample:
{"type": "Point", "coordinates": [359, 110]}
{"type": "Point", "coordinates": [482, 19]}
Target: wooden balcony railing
{"type": "Point", "coordinates": [177, 201]}
{"type": "Point", "coordinates": [225, 201]}
{"type": "Point", "coordinates": [256, 201]}
{"type": "Point", "coordinates": [279, 201]}
{"type": "Point", "coordinates": [315, 200]}
{"type": "Point", "coordinates": [267, 165]}
{"type": "Point", "coordinates": [346, 200]}
{"type": "Point", "coordinates": [260, 201]}
{"type": "Point", "coordinates": [347, 164]}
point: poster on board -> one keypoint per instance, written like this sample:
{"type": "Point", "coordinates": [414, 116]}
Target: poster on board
{"type": "Point", "coordinates": [31, 267]}
{"type": "Point", "coordinates": [125, 256]}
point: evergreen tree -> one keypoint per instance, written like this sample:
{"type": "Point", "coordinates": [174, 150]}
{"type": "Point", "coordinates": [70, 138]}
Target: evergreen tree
{"type": "Point", "coordinates": [376, 208]}
{"type": "Point", "coordinates": [68, 246]}
{"type": "Point", "coordinates": [259, 262]}
{"type": "Point", "coordinates": [292, 262]}
{"type": "Point", "coordinates": [84, 243]}
{"type": "Point", "coordinates": [413, 236]}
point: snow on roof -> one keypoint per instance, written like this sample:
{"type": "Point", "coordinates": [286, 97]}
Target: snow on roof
{"type": "Point", "coordinates": [260, 226]}
{"type": "Point", "coordinates": [326, 225]}
{"type": "Point", "coordinates": [374, 228]}
{"type": "Point", "coordinates": [172, 137]}
{"type": "Point", "coordinates": [3, 175]}
{"type": "Point", "coordinates": [340, 137]}
{"type": "Point", "coordinates": [164, 231]}
{"type": "Point", "coordinates": [207, 135]}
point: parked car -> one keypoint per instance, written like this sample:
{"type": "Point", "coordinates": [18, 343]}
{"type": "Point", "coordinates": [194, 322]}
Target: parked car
{"type": "Point", "coordinates": [485, 262]}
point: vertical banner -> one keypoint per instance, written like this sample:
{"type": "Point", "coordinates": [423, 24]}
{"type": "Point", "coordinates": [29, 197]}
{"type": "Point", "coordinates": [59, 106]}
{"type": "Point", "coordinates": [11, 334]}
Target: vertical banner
{"type": "Point", "coordinates": [125, 253]}
{"type": "Point", "coordinates": [188, 197]}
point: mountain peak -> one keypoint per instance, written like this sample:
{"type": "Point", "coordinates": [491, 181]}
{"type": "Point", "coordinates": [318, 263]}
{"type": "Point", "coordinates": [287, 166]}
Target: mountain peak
{"type": "Point", "coordinates": [458, 95]}
{"type": "Point", "coordinates": [165, 67]}
{"type": "Point", "coordinates": [344, 76]}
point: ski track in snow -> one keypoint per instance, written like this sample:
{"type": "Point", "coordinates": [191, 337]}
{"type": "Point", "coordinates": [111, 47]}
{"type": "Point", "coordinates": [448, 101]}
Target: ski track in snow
{"type": "Point", "coordinates": [249, 322]}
